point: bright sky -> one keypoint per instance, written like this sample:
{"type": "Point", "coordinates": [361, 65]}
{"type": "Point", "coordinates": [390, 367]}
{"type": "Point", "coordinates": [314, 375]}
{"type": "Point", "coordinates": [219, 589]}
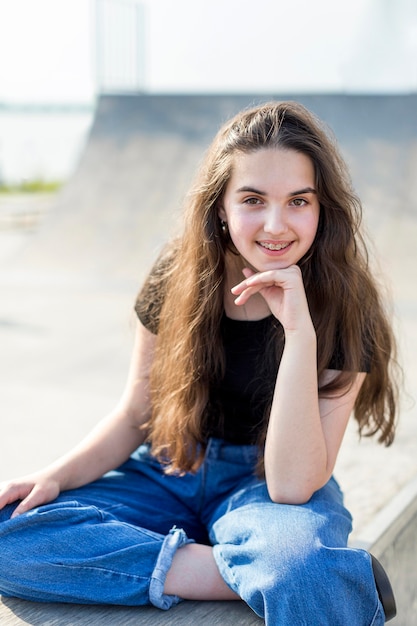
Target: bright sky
{"type": "Point", "coordinates": [47, 50]}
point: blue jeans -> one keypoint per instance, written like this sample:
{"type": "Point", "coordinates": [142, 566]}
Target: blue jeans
{"type": "Point", "coordinates": [112, 542]}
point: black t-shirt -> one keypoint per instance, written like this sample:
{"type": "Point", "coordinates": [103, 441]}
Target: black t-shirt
{"type": "Point", "coordinates": [238, 404]}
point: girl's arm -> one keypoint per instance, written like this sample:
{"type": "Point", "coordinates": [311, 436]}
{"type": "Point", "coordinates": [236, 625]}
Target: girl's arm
{"type": "Point", "coordinates": [304, 432]}
{"type": "Point", "coordinates": [108, 445]}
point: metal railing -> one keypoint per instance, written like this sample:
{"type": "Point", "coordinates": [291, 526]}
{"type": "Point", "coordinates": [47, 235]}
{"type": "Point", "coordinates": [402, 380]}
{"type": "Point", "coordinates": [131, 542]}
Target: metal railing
{"type": "Point", "coordinates": [119, 46]}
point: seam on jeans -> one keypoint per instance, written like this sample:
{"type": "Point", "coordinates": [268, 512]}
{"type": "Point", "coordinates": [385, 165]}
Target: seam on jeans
{"type": "Point", "coordinates": [203, 483]}
{"type": "Point", "coordinates": [46, 513]}
{"type": "Point", "coordinates": [99, 569]}
{"type": "Point", "coordinates": [19, 590]}
{"type": "Point", "coordinates": [379, 613]}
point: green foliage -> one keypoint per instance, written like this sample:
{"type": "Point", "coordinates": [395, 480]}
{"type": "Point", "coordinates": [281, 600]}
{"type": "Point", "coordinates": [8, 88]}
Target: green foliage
{"type": "Point", "coordinates": [32, 186]}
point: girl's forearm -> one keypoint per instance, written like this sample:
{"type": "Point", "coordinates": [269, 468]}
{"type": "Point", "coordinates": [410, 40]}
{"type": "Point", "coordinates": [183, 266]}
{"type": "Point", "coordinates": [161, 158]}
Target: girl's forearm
{"type": "Point", "coordinates": [106, 447]}
{"type": "Point", "coordinates": [295, 448]}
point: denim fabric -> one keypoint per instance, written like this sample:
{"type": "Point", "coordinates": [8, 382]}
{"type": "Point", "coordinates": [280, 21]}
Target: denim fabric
{"type": "Point", "coordinates": [112, 542]}
{"type": "Point", "coordinates": [175, 539]}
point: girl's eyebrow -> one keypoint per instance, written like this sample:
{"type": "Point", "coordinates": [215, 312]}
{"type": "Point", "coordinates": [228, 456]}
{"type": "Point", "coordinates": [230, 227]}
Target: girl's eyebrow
{"type": "Point", "coordinates": [251, 190]}
{"type": "Point", "coordinates": [299, 192]}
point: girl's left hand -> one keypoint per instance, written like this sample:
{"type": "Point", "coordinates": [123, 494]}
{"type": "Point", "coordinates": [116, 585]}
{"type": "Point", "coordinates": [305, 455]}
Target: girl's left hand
{"type": "Point", "coordinates": [283, 291]}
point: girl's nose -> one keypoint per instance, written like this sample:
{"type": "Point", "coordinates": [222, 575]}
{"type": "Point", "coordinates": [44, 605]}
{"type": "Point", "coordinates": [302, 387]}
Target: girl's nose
{"type": "Point", "coordinates": [275, 222]}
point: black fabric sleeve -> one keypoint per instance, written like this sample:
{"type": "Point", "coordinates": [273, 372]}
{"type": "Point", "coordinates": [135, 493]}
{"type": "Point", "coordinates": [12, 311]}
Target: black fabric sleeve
{"type": "Point", "coordinates": [337, 362]}
{"type": "Point", "coordinates": [151, 297]}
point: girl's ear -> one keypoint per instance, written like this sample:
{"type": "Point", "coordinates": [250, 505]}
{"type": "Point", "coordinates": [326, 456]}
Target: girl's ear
{"type": "Point", "coordinates": [221, 212]}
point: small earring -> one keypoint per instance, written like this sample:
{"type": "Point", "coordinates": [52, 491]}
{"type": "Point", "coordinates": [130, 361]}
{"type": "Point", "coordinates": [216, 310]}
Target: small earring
{"type": "Point", "coordinates": [224, 227]}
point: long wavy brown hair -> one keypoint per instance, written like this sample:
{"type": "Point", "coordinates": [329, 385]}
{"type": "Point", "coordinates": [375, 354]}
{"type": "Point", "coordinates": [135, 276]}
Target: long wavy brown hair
{"type": "Point", "coordinates": [187, 290]}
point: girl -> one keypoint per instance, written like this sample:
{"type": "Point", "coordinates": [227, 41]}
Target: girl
{"type": "Point", "coordinates": [260, 329]}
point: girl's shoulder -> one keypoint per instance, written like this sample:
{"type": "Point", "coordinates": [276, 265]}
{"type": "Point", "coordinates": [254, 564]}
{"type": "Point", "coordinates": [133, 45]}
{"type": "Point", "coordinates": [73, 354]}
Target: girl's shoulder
{"type": "Point", "coordinates": [151, 296]}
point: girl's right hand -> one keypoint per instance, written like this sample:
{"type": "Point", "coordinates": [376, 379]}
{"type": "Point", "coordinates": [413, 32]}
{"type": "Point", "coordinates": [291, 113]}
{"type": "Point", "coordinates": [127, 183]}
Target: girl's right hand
{"type": "Point", "coordinates": [32, 490]}
{"type": "Point", "coordinates": [283, 291]}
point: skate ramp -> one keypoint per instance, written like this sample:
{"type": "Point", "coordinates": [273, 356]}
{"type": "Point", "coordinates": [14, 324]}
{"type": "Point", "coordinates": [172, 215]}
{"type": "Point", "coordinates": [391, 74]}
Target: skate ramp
{"type": "Point", "coordinates": [67, 297]}
{"type": "Point", "coordinates": [120, 206]}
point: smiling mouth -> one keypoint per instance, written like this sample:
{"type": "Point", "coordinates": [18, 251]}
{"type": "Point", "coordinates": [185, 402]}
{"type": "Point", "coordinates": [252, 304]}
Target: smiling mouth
{"type": "Point", "coordinates": [274, 246]}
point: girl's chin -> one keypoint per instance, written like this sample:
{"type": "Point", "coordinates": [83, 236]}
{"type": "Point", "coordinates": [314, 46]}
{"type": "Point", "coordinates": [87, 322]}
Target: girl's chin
{"type": "Point", "coordinates": [266, 265]}
{"type": "Point", "coordinates": [271, 265]}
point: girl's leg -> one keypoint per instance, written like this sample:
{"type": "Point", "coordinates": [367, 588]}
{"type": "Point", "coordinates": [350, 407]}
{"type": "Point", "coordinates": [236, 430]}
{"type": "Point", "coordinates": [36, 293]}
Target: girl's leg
{"type": "Point", "coordinates": [194, 575]}
{"type": "Point", "coordinates": [291, 564]}
{"type": "Point", "coordinates": [67, 552]}
{"type": "Point", "coordinates": [106, 543]}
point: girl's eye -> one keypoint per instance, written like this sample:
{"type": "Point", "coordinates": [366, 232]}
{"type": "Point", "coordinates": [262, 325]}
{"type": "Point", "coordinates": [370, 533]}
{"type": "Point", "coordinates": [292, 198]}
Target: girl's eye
{"type": "Point", "coordinates": [252, 201]}
{"type": "Point", "coordinates": [299, 202]}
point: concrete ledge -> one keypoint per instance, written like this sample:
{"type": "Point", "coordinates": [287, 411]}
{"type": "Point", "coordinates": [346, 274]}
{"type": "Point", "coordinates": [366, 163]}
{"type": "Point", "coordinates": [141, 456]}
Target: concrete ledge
{"type": "Point", "coordinates": [13, 611]}
{"type": "Point", "coordinates": [392, 538]}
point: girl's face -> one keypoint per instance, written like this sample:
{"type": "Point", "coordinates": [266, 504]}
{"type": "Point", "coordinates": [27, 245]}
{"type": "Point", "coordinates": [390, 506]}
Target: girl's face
{"type": "Point", "coordinates": [271, 208]}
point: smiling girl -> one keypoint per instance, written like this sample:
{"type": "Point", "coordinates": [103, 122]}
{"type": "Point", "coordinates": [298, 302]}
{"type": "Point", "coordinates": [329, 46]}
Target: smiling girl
{"type": "Point", "coordinates": [260, 331]}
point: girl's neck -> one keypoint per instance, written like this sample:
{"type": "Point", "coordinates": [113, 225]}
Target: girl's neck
{"type": "Point", "coordinates": [255, 308]}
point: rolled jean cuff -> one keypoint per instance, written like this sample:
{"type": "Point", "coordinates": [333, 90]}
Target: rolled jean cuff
{"type": "Point", "coordinates": [175, 539]}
